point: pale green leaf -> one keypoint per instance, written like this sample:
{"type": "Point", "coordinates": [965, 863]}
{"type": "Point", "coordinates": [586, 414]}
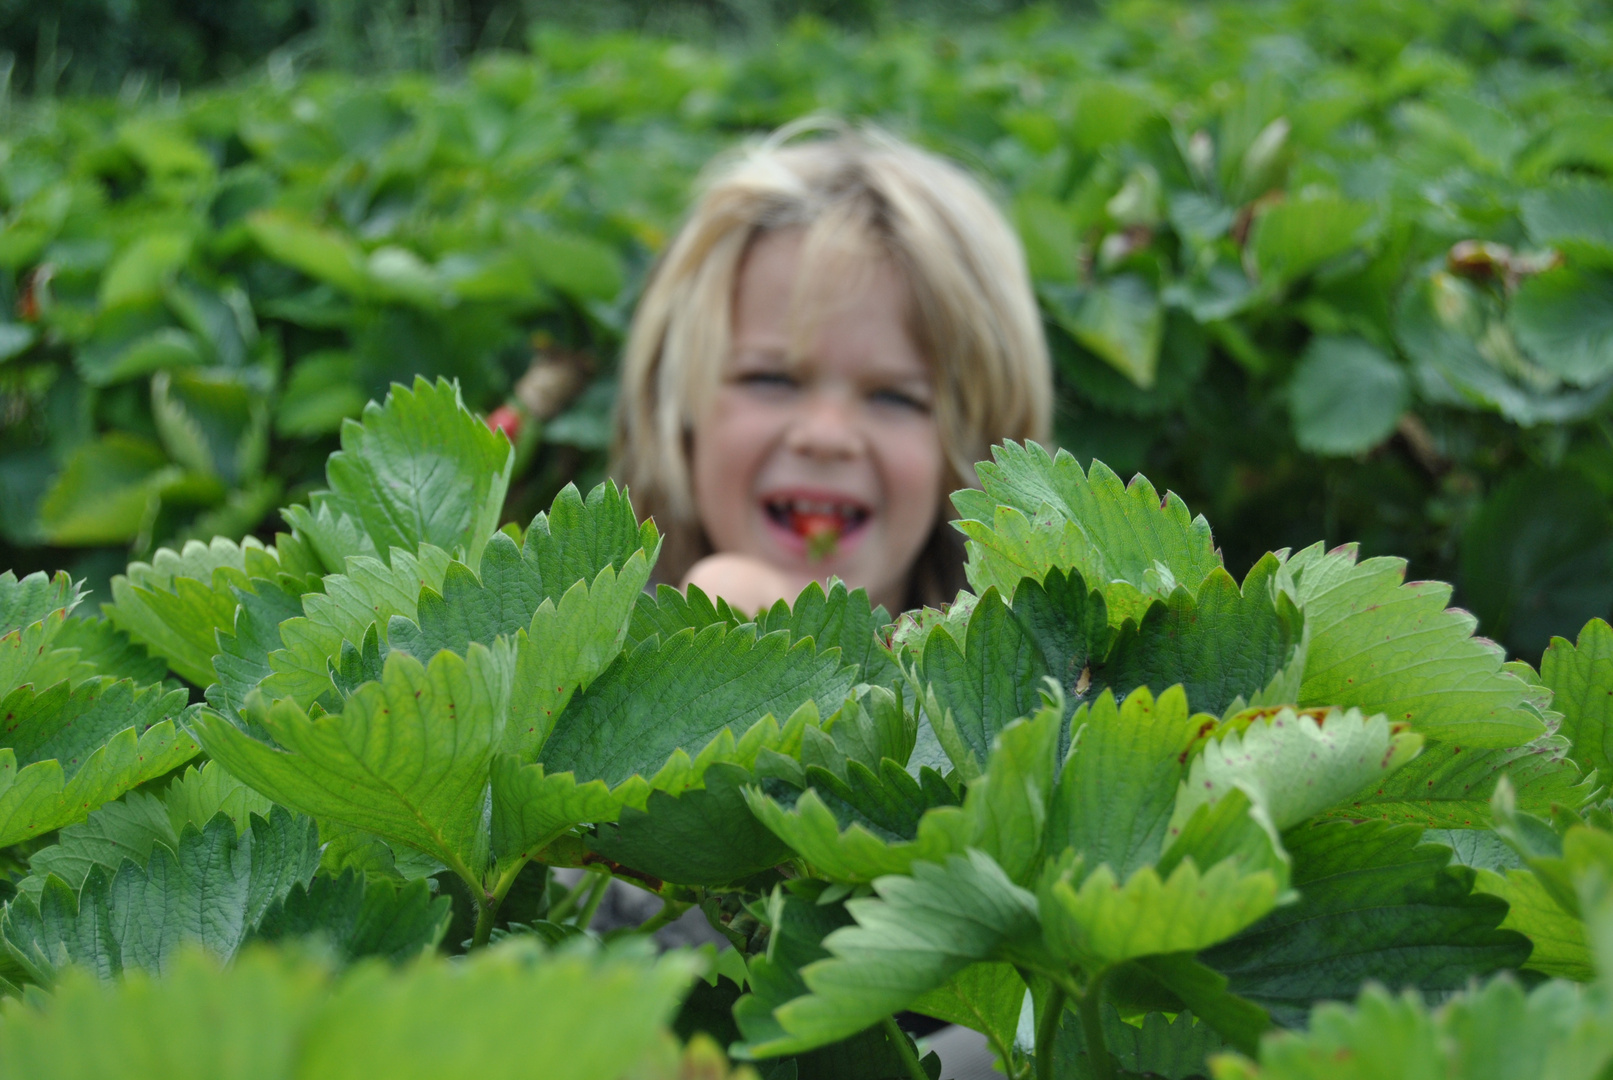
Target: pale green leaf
{"type": "Point", "coordinates": [1294, 766]}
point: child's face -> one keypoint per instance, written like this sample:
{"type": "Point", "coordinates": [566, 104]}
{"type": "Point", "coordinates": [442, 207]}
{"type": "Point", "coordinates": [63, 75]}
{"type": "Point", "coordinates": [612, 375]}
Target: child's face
{"type": "Point", "coordinates": [842, 439]}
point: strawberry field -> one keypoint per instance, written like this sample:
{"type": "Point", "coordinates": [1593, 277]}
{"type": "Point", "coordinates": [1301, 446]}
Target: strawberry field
{"type": "Point", "coordinates": [311, 767]}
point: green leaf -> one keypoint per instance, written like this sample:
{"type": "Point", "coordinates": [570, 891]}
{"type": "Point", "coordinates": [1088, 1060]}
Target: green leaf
{"type": "Point", "coordinates": [210, 889]}
{"type": "Point", "coordinates": [108, 650]}
{"type": "Point", "coordinates": [1224, 645]}
{"type": "Point", "coordinates": [669, 610]}
{"type": "Point", "coordinates": [1069, 624]}
{"type": "Point", "coordinates": [214, 422]}
{"type": "Point", "coordinates": [1449, 785]}
{"type": "Point", "coordinates": [1007, 806]}
{"type": "Point", "coordinates": [703, 836]}
{"type": "Point", "coordinates": [175, 604]}
{"type": "Point", "coordinates": [322, 391]}
{"type": "Point", "coordinates": [682, 692]}
{"type": "Point", "coordinates": [1573, 218]}
{"type": "Point", "coordinates": [1121, 320]}
{"type": "Point", "coordinates": [1495, 1031]}
{"type": "Point", "coordinates": [920, 932]}
{"type": "Point", "coordinates": [106, 492]}
{"type": "Point", "coordinates": [1294, 237]}
{"type": "Point", "coordinates": [421, 469]}
{"type": "Point", "coordinates": [568, 644]}
{"type": "Point", "coordinates": [1101, 921]}
{"type": "Point", "coordinates": [1383, 646]}
{"type": "Point", "coordinates": [140, 270]}
{"type": "Point", "coordinates": [242, 660]}
{"type": "Point", "coordinates": [1346, 396]}
{"type": "Point", "coordinates": [200, 794]}
{"type": "Point", "coordinates": [1580, 676]}
{"type": "Point", "coordinates": [1560, 946]}
{"type": "Point", "coordinates": [1535, 557]}
{"type": "Point", "coordinates": [407, 757]}
{"type": "Point", "coordinates": [837, 619]}
{"type": "Point", "coordinates": [861, 830]}
{"type": "Point", "coordinates": [985, 997]}
{"type": "Point", "coordinates": [1119, 785]}
{"type": "Point", "coordinates": [360, 917]}
{"type": "Point", "coordinates": [1156, 1047]}
{"type": "Point", "coordinates": [532, 807]}
{"type": "Point", "coordinates": [368, 595]}
{"type": "Point", "coordinates": [1375, 903]}
{"type": "Point", "coordinates": [578, 265]}
{"type": "Point", "coordinates": [41, 796]}
{"type": "Point", "coordinates": [35, 614]}
{"type": "Point", "coordinates": [972, 691]}
{"type": "Point", "coordinates": [1564, 318]}
{"type": "Point", "coordinates": [1109, 532]}
{"type": "Point", "coordinates": [1465, 353]}
{"type": "Point", "coordinates": [322, 254]}
{"type": "Point", "coordinates": [35, 598]}
{"type": "Point", "coordinates": [1294, 766]}
{"type": "Point", "coordinates": [281, 1013]}
{"type": "Point", "coordinates": [71, 723]}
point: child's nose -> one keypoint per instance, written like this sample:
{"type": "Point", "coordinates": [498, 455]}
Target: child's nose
{"type": "Point", "coordinates": [826, 427]}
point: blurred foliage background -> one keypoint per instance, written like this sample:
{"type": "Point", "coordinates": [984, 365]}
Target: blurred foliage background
{"type": "Point", "coordinates": [1331, 271]}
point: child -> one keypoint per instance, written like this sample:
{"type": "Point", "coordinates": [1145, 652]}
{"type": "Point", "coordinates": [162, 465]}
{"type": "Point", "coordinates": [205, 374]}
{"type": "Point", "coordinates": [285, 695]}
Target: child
{"type": "Point", "coordinates": [841, 328]}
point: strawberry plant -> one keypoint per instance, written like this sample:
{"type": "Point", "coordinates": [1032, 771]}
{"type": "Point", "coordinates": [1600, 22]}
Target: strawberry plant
{"type": "Point", "coordinates": [1324, 277]}
{"type": "Point", "coordinates": [1114, 808]}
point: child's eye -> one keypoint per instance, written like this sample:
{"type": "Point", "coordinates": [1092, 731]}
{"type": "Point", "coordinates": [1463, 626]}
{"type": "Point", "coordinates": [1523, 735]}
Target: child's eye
{"type": "Point", "coordinates": [767, 380]}
{"type": "Point", "coordinates": [900, 399]}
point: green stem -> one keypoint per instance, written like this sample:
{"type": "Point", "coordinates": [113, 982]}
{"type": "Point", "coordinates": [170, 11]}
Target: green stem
{"type": "Point", "coordinates": [568, 903]}
{"type": "Point", "coordinates": [487, 907]}
{"type": "Point", "coordinates": [1090, 1006]}
{"type": "Point", "coordinates": [586, 915]}
{"type": "Point", "coordinates": [904, 1050]}
{"type": "Point", "coordinates": [1047, 1030]}
{"type": "Point", "coordinates": [670, 912]}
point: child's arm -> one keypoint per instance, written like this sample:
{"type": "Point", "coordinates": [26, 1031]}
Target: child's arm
{"type": "Point", "coordinates": [748, 584]}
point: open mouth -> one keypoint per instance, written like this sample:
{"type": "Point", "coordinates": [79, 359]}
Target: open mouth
{"type": "Point", "coordinates": [820, 523]}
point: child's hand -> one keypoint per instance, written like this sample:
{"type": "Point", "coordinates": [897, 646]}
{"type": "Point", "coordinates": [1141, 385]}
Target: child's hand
{"type": "Point", "coordinates": [748, 584]}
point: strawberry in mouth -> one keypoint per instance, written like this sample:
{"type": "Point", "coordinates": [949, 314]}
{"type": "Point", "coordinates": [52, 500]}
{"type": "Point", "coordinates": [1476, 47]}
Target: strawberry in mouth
{"type": "Point", "coordinates": [821, 523]}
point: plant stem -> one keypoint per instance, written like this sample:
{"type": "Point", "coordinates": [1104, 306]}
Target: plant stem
{"type": "Point", "coordinates": [487, 907]}
{"type": "Point", "coordinates": [1090, 1006]}
{"type": "Point", "coordinates": [670, 911]}
{"type": "Point", "coordinates": [904, 1050]}
{"type": "Point", "coordinates": [1047, 1029]}
{"type": "Point", "coordinates": [601, 886]}
{"type": "Point", "coordinates": [562, 911]}
{"type": "Point", "coordinates": [487, 910]}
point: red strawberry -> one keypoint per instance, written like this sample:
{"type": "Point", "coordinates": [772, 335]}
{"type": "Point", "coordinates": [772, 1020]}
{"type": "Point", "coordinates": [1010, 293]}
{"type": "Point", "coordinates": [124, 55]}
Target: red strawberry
{"type": "Point", "coordinates": [821, 532]}
{"type": "Point", "coordinates": [505, 419]}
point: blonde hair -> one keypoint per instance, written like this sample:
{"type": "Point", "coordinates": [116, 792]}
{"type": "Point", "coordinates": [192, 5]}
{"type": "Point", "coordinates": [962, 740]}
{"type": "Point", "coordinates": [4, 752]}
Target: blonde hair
{"type": "Point", "coordinates": [973, 313]}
